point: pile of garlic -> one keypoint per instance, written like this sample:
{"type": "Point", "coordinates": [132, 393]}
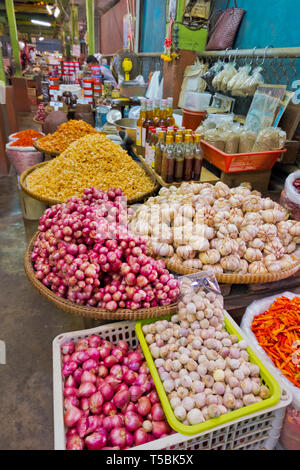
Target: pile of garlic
{"type": "Point", "coordinates": [205, 370]}
{"type": "Point", "coordinates": [228, 230]}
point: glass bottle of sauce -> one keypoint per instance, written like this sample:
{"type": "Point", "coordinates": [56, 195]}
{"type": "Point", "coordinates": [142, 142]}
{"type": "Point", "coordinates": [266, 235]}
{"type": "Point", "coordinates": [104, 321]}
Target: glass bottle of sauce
{"type": "Point", "coordinates": [179, 158]}
{"type": "Point", "coordinates": [168, 161]}
{"type": "Point", "coordinates": [159, 148]}
{"type": "Point", "coordinates": [140, 122]}
{"type": "Point", "coordinates": [156, 111]}
{"type": "Point", "coordinates": [188, 158]}
{"type": "Point", "coordinates": [163, 121]}
{"type": "Point", "coordinates": [147, 123]}
{"type": "Point", "coordinates": [170, 117]}
{"type": "Point", "coordinates": [198, 158]}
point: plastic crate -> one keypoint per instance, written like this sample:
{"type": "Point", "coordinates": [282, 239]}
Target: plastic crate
{"type": "Point", "coordinates": [238, 162]}
{"type": "Point", "coordinates": [261, 430]}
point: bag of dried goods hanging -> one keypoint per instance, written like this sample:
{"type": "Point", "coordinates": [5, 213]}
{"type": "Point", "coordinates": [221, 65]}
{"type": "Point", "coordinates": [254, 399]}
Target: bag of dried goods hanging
{"type": "Point", "coordinates": [290, 196]}
{"type": "Point", "coordinates": [22, 158]}
{"type": "Point", "coordinates": [271, 325]}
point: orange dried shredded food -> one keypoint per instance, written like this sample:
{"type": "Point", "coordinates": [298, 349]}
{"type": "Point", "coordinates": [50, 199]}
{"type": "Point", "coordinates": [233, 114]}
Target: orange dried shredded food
{"type": "Point", "coordinates": [278, 332]}
{"type": "Point", "coordinates": [27, 134]}
{"type": "Point", "coordinates": [66, 134]}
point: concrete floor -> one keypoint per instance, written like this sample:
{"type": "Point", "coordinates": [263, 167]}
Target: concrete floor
{"type": "Point", "coordinates": [28, 325]}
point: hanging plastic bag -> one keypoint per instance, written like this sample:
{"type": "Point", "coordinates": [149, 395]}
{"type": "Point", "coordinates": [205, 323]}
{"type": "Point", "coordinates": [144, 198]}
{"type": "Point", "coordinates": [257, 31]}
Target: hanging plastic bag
{"type": "Point", "coordinates": [253, 81]}
{"type": "Point", "coordinates": [192, 80]}
{"type": "Point", "coordinates": [238, 80]}
{"type": "Point", "coordinates": [290, 196]}
{"type": "Point", "coordinates": [153, 89]}
{"type": "Point", "coordinates": [222, 78]}
{"type": "Point", "coordinates": [211, 73]}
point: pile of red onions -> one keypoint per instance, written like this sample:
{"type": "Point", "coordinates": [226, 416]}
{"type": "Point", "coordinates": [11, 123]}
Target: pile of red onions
{"type": "Point", "coordinates": [110, 400]}
{"type": "Point", "coordinates": [85, 253]}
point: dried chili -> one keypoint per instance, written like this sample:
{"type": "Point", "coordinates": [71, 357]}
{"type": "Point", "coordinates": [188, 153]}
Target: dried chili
{"type": "Point", "coordinates": [278, 332]}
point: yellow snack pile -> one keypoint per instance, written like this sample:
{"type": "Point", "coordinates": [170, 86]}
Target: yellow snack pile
{"type": "Point", "coordinates": [65, 134]}
{"type": "Point", "coordinates": [92, 161]}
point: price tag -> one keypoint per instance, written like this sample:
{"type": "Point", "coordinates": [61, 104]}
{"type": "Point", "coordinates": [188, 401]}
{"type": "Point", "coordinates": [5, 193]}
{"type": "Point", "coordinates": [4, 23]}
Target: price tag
{"type": "Point", "coordinates": [56, 105]}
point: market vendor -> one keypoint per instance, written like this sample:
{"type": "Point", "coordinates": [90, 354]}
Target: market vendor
{"type": "Point", "coordinates": [91, 61]}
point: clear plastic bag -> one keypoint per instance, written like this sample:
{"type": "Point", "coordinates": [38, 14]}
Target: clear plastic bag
{"type": "Point", "coordinates": [271, 138]}
{"type": "Point", "coordinates": [222, 78]}
{"type": "Point", "coordinates": [251, 84]}
{"type": "Point", "coordinates": [209, 76]}
{"type": "Point", "coordinates": [246, 141]}
{"type": "Point", "coordinates": [239, 79]}
{"type": "Point", "coordinates": [290, 197]}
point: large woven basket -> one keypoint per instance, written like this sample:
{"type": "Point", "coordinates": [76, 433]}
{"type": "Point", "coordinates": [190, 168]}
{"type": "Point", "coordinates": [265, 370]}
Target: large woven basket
{"type": "Point", "coordinates": [90, 312]}
{"type": "Point", "coordinates": [233, 278]}
{"type": "Point", "coordinates": [47, 152]}
{"type": "Point", "coordinates": [50, 201]}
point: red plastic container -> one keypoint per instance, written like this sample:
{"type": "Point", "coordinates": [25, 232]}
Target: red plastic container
{"type": "Point", "coordinates": [192, 119]}
{"type": "Point", "coordinates": [233, 163]}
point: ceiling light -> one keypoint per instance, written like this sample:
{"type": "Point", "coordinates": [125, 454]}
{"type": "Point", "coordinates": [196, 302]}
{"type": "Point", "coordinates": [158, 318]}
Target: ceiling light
{"type": "Point", "coordinates": [49, 9]}
{"type": "Point", "coordinates": [41, 38]}
{"type": "Point", "coordinates": [56, 12]}
{"type": "Point", "coordinates": [41, 23]}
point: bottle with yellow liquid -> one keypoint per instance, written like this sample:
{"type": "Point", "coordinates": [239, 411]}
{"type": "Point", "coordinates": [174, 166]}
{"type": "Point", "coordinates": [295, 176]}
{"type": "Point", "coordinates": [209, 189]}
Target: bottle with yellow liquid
{"type": "Point", "coordinates": [168, 161]}
{"type": "Point", "coordinates": [156, 112]}
{"type": "Point", "coordinates": [140, 122]}
{"type": "Point", "coordinates": [163, 121]}
{"type": "Point", "coordinates": [148, 122]}
{"type": "Point", "coordinates": [170, 117]}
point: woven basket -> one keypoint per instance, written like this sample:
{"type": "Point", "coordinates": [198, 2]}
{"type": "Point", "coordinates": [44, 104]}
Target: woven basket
{"type": "Point", "coordinates": [51, 201]}
{"type": "Point", "coordinates": [90, 312]}
{"type": "Point", "coordinates": [233, 278]}
{"type": "Point", "coordinates": [47, 152]}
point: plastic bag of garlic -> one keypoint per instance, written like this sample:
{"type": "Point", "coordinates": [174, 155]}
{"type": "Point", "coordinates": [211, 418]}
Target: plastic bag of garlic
{"type": "Point", "coordinates": [205, 370]}
{"type": "Point", "coordinates": [228, 230]}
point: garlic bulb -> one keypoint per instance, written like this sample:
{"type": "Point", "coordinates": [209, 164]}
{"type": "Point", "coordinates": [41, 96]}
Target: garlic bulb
{"type": "Point", "coordinates": [248, 233]}
{"type": "Point", "coordinates": [162, 249]}
{"type": "Point", "coordinates": [274, 248]}
{"type": "Point", "coordinates": [295, 230]}
{"type": "Point", "coordinates": [275, 267]}
{"type": "Point", "coordinates": [210, 257]}
{"type": "Point", "coordinates": [267, 232]}
{"type": "Point", "coordinates": [199, 243]}
{"type": "Point", "coordinates": [286, 240]}
{"type": "Point", "coordinates": [236, 217]}
{"type": "Point", "coordinates": [272, 216]}
{"type": "Point", "coordinates": [257, 267]}
{"type": "Point", "coordinates": [290, 248]}
{"type": "Point", "coordinates": [192, 264]}
{"type": "Point", "coordinates": [230, 263]}
{"type": "Point", "coordinates": [243, 191]}
{"type": "Point", "coordinates": [224, 246]}
{"type": "Point", "coordinates": [205, 215]}
{"type": "Point", "coordinates": [268, 203]}
{"type": "Point", "coordinates": [252, 204]}
{"type": "Point", "coordinates": [215, 268]}
{"type": "Point", "coordinates": [220, 218]}
{"type": "Point", "coordinates": [185, 252]}
{"type": "Point", "coordinates": [221, 190]}
{"type": "Point", "coordinates": [236, 200]}
{"type": "Point", "coordinates": [253, 254]}
{"type": "Point", "coordinates": [204, 230]}
{"type": "Point", "coordinates": [243, 268]}
{"type": "Point", "coordinates": [252, 218]}
{"type": "Point", "coordinates": [187, 211]}
{"type": "Point", "coordinates": [241, 247]}
{"type": "Point", "coordinates": [269, 259]}
{"type": "Point", "coordinates": [222, 204]}
{"type": "Point", "coordinates": [257, 243]}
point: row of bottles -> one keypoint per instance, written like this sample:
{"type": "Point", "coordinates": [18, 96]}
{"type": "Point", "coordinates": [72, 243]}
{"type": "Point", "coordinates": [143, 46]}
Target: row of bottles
{"type": "Point", "coordinates": [159, 115]}
{"type": "Point", "coordinates": [177, 155]}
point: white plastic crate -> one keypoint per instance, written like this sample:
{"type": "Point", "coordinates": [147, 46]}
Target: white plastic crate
{"type": "Point", "coordinates": [261, 430]}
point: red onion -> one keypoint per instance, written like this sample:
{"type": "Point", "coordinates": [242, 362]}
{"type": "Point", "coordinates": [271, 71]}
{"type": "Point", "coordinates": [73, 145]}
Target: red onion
{"type": "Point", "coordinates": [86, 389]}
{"type": "Point", "coordinates": [116, 371]}
{"type": "Point", "coordinates": [109, 409]}
{"type": "Point", "coordinates": [93, 353]}
{"type": "Point", "coordinates": [88, 376]}
{"type": "Point", "coordinates": [102, 371]}
{"type": "Point", "coordinates": [68, 347]}
{"type": "Point", "coordinates": [118, 437]}
{"type": "Point", "coordinates": [82, 426]}
{"type": "Point", "coordinates": [153, 396]}
{"type": "Point", "coordinates": [70, 382]}
{"type": "Point", "coordinates": [110, 361]}
{"type": "Point", "coordinates": [78, 374]}
{"type": "Point", "coordinates": [133, 421]}
{"type": "Point", "coordinates": [112, 381]}
{"type": "Point", "coordinates": [160, 429]}
{"type": "Point", "coordinates": [130, 377]}
{"type": "Point", "coordinates": [118, 354]}
{"type": "Point", "coordinates": [129, 439]}
{"type": "Point", "coordinates": [121, 399]}
{"type": "Point", "coordinates": [72, 415]}
{"type": "Point", "coordinates": [70, 392]}
{"type": "Point", "coordinates": [85, 405]}
{"type": "Point", "coordinates": [104, 352]}
{"type": "Point", "coordinates": [117, 421]}
{"type": "Point", "coordinates": [95, 441]}
{"type": "Point", "coordinates": [74, 443]}
{"type": "Point", "coordinates": [143, 406]}
{"type": "Point", "coordinates": [71, 432]}
{"type": "Point", "coordinates": [135, 392]}
{"type": "Point", "coordinates": [140, 437]}
{"type": "Point", "coordinates": [157, 412]}
{"type": "Point", "coordinates": [123, 345]}
{"type": "Point", "coordinates": [107, 423]}
{"type": "Point", "coordinates": [96, 402]}
{"type": "Point", "coordinates": [69, 367]}
{"type": "Point", "coordinates": [90, 365]}
{"type": "Point", "coordinates": [80, 356]}
{"type": "Point", "coordinates": [71, 401]}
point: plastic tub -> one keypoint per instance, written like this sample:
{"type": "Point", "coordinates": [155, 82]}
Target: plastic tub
{"type": "Point", "coordinates": [197, 101]}
{"type": "Point", "coordinates": [192, 119]}
{"type": "Point", "coordinates": [265, 375]}
{"type": "Point", "coordinates": [259, 430]}
{"type": "Point", "coordinates": [233, 163]}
